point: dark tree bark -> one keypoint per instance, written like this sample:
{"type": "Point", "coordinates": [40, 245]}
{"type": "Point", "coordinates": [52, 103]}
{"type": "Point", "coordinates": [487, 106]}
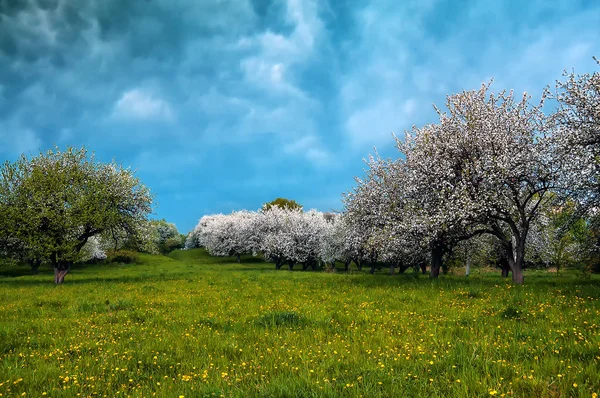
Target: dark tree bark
{"type": "Point", "coordinates": [61, 268]}
{"type": "Point", "coordinates": [35, 265]}
{"type": "Point", "coordinates": [359, 264]}
{"type": "Point", "coordinates": [516, 259]}
{"type": "Point", "coordinates": [423, 267]}
{"type": "Point", "coordinates": [239, 259]}
{"type": "Point", "coordinates": [59, 275]}
{"type": "Point", "coordinates": [392, 267]}
{"type": "Point", "coordinates": [402, 268]}
{"type": "Point", "coordinates": [503, 261]}
{"type": "Point", "coordinates": [437, 254]}
{"type": "Point", "coordinates": [347, 265]}
{"type": "Point", "coordinates": [290, 265]}
{"type": "Point", "coordinates": [372, 268]}
{"type": "Point", "coordinates": [278, 263]}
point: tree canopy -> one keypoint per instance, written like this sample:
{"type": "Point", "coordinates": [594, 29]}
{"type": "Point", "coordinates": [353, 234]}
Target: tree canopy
{"type": "Point", "coordinates": [53, 203]}
{"type": "Point", "coordinates": [283, 203]}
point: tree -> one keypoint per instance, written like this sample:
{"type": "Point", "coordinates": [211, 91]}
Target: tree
{"type": "Point", "coordinates": [165, 236]}
{"type": "Point", "coordinates": [433, 190]}
{"type": "Point", "coordinates": [55, 202]}
{"type": "Point", "coordinates": [282, 203]}
{"type": "Point", "coordinates": [226, 235]}
{"type": "Point", "coordinates": [497, 164]}
{"type": "Point", "coordinates": [562, 238]}
{"type": "Point", "coordinates": [379, 217]}
{"type": "Point", "coordinates": [291, 236]}
{"type": "Point", "coordinates": [92, 250]}
{"type": "Point", "coordinates": [578, 120]}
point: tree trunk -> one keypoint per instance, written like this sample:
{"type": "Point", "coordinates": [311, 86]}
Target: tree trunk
{"type": "Point", "coordinates": [423, 267]}
{"type": "Point", "coordinates": [305, 266]}
{"type": "Point", "coordinates": [372, 270]}
{"type": "Point", "coordinates": [359, 264]}
{"type": "Point", "coordinates": [517, 275]}
{"type": "Point", "coordinates": [392, 267]}
{"type": "Point", "coordinates": [468, 270]}
{"type": "Point", "coordinates": [313, 265]}
{"type": "Point", "coordinates": [517, 271]}
{"type": "Point", "coordinates": [61, 268]}
{"type": "Point", "coordinates": [402, 268]}
{"type": "Point", "coordinates": [503, 261]}
{"type": "Point", "coordinates": [437, 253]}
{"type": "Point", "coordinates": [278, 263]}
{"type": "Point", "coordinates": [239, 260]}
{"type": "Point", "coordinates": [59, 275]}
{"type": "Point", "coordinates": [35, 266]}
{"type": "Point", "coordinates": [515, 262]}
{"type": "Point", "coordinates": [346, 265]}
{"type": "Point", "coordinates": [290, 265]}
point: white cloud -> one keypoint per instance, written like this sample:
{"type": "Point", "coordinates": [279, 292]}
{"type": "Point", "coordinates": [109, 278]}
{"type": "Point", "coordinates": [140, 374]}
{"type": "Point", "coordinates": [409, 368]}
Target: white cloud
{"type": "Point", "coordinates": [375, 123]}
{"type": "Point", "coordinates": [276, 53]}
{"type": "Point", "coordinates": [395, 84]}
{"type": "Point", "coordinates": [141, 105]}
{"type": "Point", "coordinates": [310, 147]}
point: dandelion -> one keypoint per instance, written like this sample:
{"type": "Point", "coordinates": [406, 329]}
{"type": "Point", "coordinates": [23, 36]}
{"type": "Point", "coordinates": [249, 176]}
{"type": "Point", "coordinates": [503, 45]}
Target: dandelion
{"type": "Point", "coordinates": [493, 392]}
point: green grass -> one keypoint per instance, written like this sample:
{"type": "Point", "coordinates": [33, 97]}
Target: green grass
{"type": "Point", "coordinates": [197, 326]}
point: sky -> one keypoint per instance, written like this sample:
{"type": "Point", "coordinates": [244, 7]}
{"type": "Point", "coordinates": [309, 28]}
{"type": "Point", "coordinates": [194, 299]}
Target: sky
{"type": "Point", "coordinates": [223, 105]}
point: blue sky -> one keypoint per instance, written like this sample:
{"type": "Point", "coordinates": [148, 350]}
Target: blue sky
{"type": "Point", "coordinates": [224, 105]}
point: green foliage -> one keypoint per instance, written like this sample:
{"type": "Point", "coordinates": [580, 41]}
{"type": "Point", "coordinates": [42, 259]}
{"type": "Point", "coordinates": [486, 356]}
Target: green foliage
{"type": "Point", "coordinates": [122, 256]}
{"type": "Point", "coordinates": [572, 243]}
{"type": "Point", "coordinates": [53, 203]}
{"type": "Point", "coordinates": [173, 244]}
{"type": "Point", "coordinates": [283, 318]}
{"type": "Point", "coordinates": [512, 312]}
{"type": "Point", "coordinates": [283, 204]}
{"type": "Point", "coordinates": [164, 238]}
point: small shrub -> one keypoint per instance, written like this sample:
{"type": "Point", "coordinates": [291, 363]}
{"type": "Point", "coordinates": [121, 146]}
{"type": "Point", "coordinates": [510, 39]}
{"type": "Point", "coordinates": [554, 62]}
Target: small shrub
{"type": "Point", "coordinates": [511, 312]}
{"type": "Point", "coordinates": [285, 318]}
{"type": "Point", "coordinates": [122, 256]}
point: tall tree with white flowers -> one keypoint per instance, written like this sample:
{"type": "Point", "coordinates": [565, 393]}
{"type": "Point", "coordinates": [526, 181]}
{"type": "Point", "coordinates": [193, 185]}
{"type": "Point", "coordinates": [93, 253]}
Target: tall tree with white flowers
{"type": "Point", "coordinates": [495, 165]}
{"type": "Point", "coordinates": [380, 225]}
{"type": "Point", "coordinates": [577, 119]}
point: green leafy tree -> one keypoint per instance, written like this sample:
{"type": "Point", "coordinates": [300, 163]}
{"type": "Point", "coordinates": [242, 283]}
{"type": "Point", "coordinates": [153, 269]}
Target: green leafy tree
{"type": "Point", "coordinates": [52, 204]}
{"type": "Point", "coordinates": [283, 203]}
{"type": "Point", "coordinates": [573, 237]}
{"type": "Point", "coordinates": [165, 236]}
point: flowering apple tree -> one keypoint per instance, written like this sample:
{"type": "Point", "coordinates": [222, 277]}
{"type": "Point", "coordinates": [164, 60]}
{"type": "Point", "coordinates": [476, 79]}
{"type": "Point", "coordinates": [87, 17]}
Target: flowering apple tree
{"type": "Point", "coordinates": [491, 166]}
{"type": "Point", "coordinates": [55, 202]}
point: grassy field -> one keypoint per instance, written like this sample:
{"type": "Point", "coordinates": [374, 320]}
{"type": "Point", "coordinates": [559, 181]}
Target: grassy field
{"type": "Point", "coordinates": [189, 325]}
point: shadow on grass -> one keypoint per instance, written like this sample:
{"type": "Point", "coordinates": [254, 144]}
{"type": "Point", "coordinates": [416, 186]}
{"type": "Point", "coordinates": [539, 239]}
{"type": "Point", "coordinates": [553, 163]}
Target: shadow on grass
{"type": "Point", "coordinates": [17, 271]}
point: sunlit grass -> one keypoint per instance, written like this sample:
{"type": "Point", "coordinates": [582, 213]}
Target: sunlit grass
{"type": "Point", "coordinates": [193, 325]}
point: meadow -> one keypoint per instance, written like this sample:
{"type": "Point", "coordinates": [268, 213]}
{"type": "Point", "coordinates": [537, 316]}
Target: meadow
{"type": "Point", "coordinates": [194, 326]}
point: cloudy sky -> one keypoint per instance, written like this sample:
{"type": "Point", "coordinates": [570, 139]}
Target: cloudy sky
{"type": "Point", "coordinates": [226, 104]}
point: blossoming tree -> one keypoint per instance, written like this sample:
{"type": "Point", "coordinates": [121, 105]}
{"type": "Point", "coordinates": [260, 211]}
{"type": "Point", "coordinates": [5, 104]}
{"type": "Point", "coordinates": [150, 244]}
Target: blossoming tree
{"type": "Point", "coordinates": [55, 202]}
{"type": "Point", "coordinates": [492, 164]}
